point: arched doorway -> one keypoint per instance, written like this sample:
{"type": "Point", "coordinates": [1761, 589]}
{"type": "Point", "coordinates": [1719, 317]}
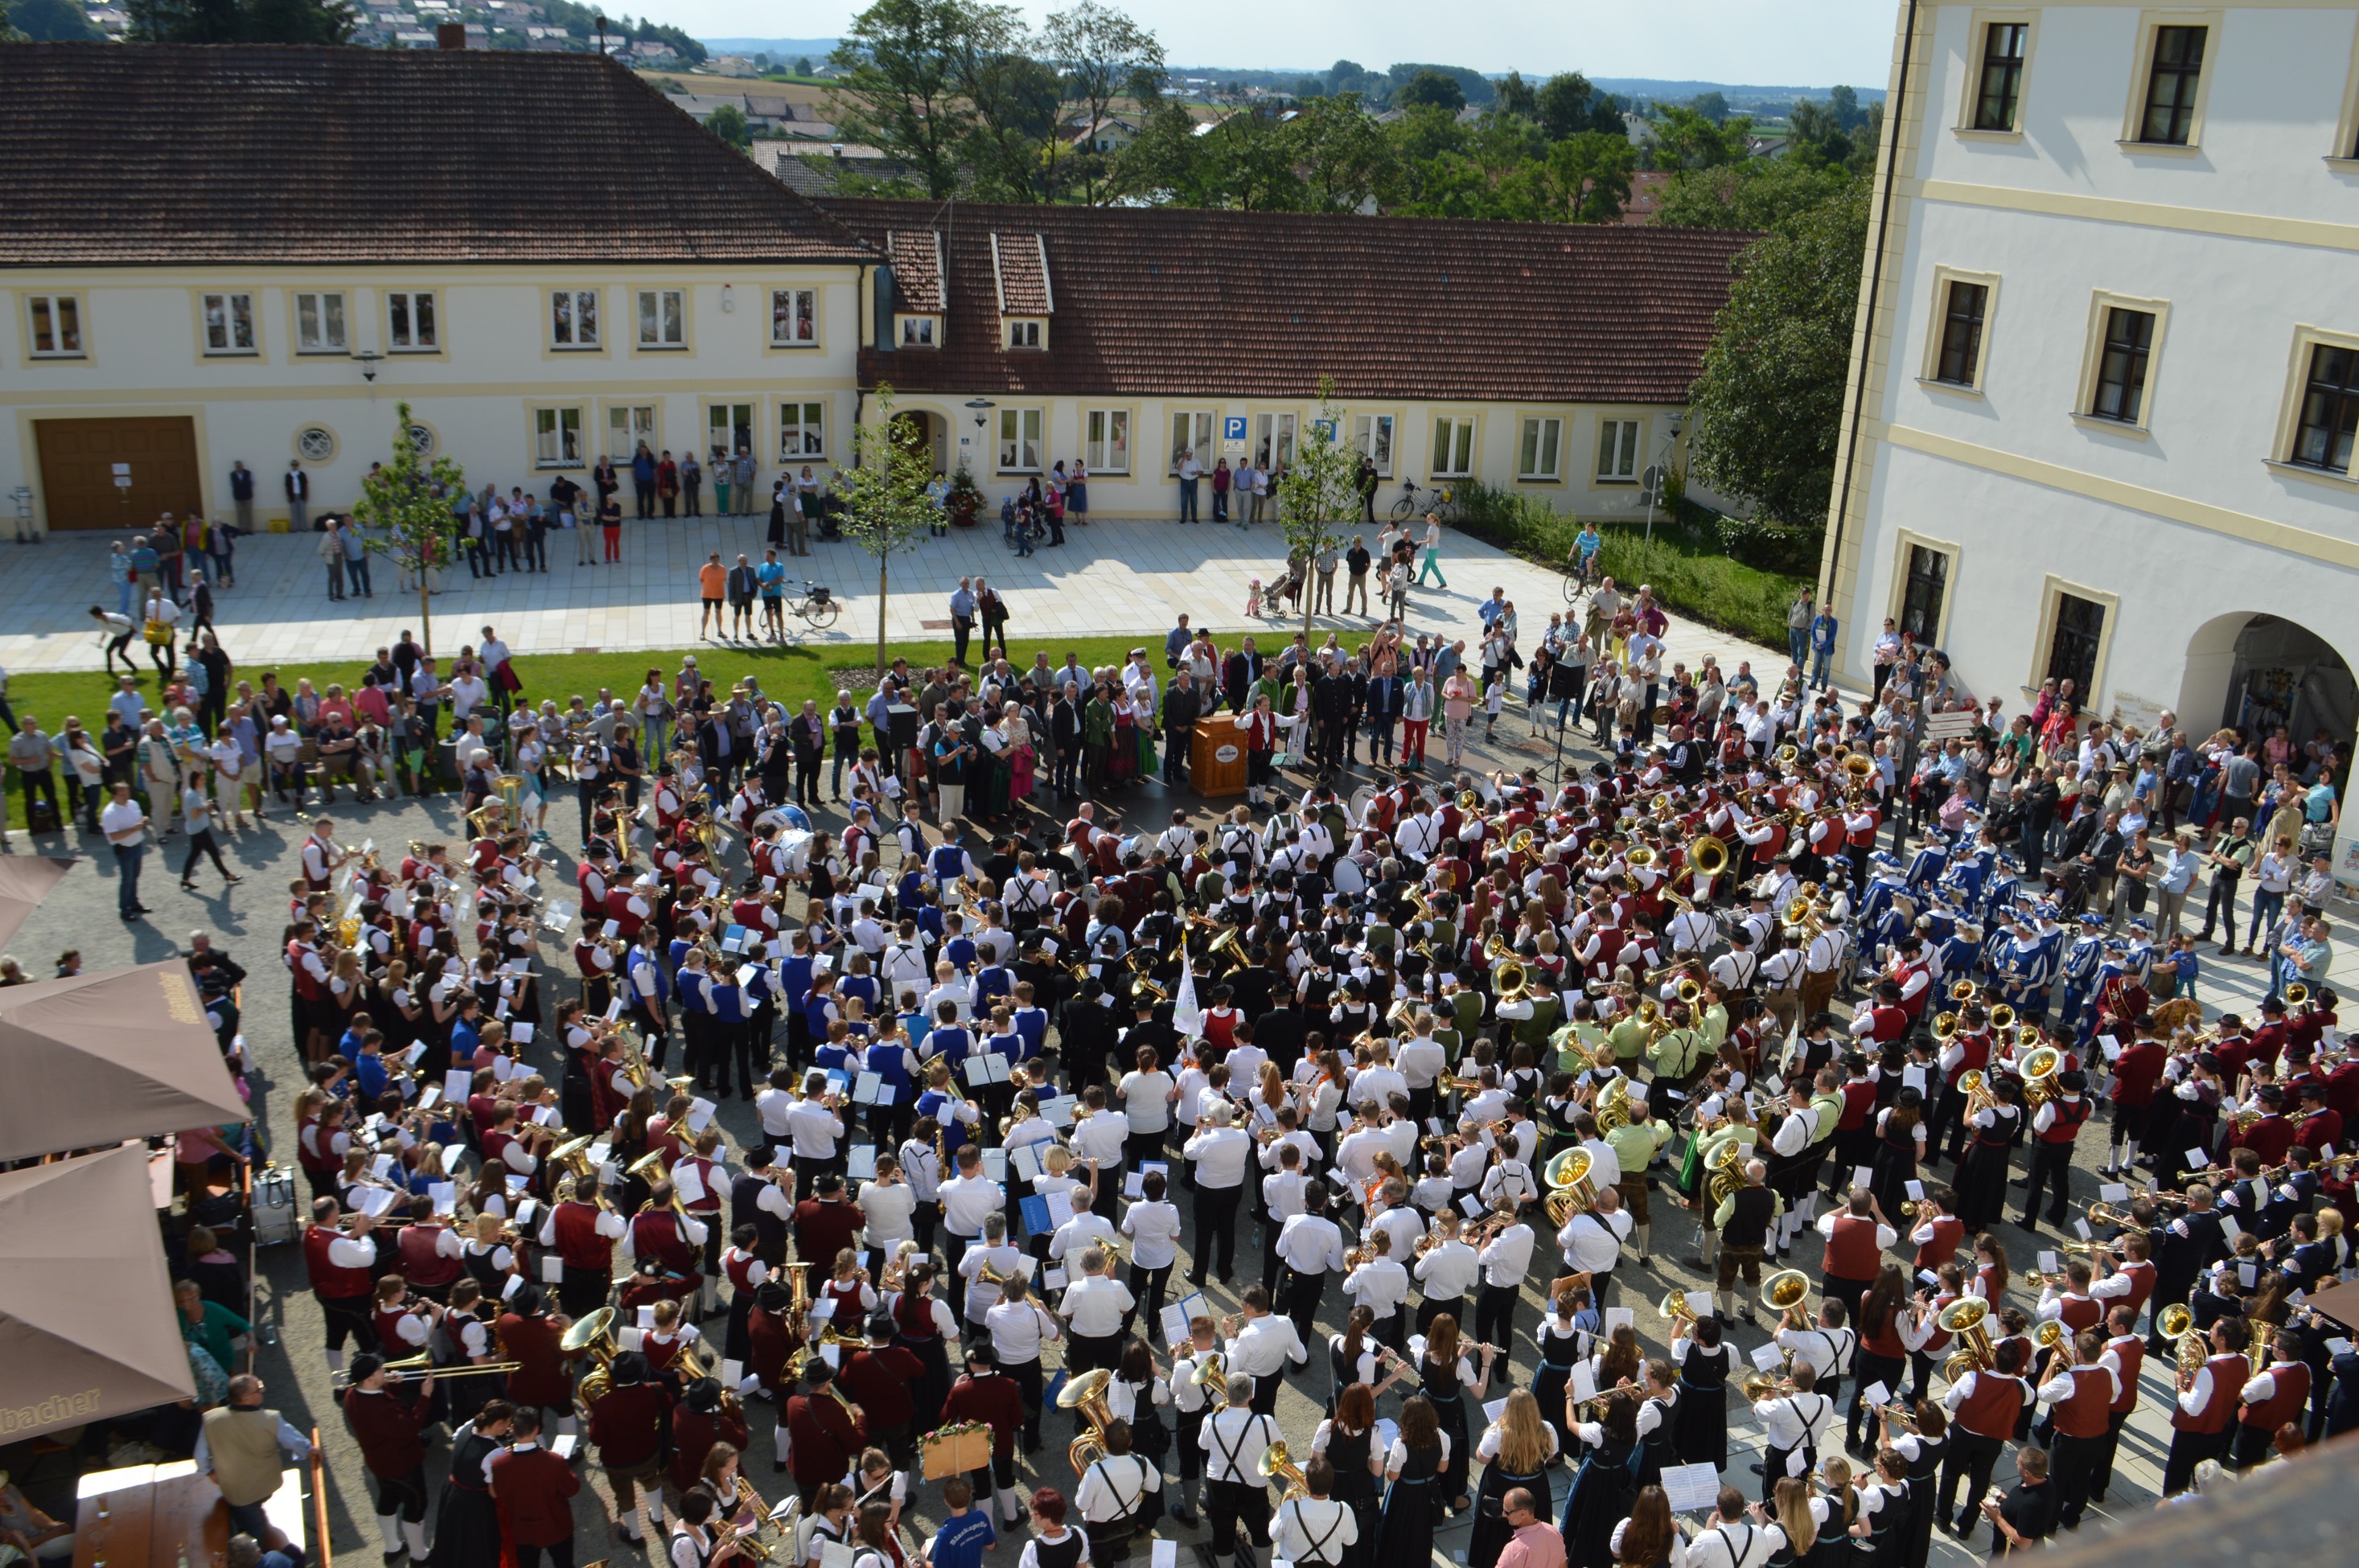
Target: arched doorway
{"type": "Point", "coordinates": [928, 433]}
{"type": "Point", "coordinates": [2258, 673]}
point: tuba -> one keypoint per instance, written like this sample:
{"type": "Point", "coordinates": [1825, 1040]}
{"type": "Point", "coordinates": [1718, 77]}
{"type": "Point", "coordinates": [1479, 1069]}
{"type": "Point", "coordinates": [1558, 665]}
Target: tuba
{"type": "Point", "coordinates": [1571, 1190]}
{"type": "Point", "coordinates": [1707, 855]}
{"type": "Point", "coordinates": [1727, 1167]}
{"type": "Point", "coordinates": [1963, 1318]}
{"type": "Point", "coordinates": [2177, 1323]}
{"type": "Point", "coordinates": [2038, 1068]}
{"type": "Point", "coordinates": [1613, 1106]}
{"type": "Point", "coordinates": [1086, 1394]}
{"type": "Point", "coordinates": [591, 1335]}
{"type": "Point", "coordinates": [1785, 1291]}
{"type": "Point", "coordinates": [1674, 1306]}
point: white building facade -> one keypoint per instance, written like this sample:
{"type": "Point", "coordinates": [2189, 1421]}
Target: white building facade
{"type": "Point", "coordinates": [2106, 379]}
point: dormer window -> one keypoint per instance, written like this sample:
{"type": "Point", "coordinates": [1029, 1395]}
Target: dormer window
{"type": "Point", "coordinates": [920, 332]}
{"type": "Point", "coordinates": [1027, 332]}
{"type": "Point", "coordinates": [1019, 264]}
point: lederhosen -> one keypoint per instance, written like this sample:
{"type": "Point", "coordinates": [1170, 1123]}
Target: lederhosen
{"type": "Point", "coordinates": [1109, 1539]}
{"type": "Point", "coordinates": [1777, 1462]}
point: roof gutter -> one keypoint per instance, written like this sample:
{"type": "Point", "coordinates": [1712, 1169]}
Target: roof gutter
{"type": "Point", "coordinates": [1895, 112]}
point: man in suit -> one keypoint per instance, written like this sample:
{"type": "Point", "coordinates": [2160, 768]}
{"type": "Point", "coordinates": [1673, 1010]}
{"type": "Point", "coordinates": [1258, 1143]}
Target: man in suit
{"type": "Point", "coordinates": [534, 1489]}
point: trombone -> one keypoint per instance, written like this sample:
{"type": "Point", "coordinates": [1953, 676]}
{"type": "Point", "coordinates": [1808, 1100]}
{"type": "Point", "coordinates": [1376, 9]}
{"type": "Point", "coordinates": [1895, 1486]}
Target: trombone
{"type": "Point", "coordinates": [422, 1365]}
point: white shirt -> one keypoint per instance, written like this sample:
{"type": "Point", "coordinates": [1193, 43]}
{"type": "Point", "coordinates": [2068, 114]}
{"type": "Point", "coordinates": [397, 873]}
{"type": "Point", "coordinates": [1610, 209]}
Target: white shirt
{"type": "Point", "coordinates": [1095, 1306]}
{"type": "Point", "coordinates": [1221, 1154]}
{"type": "Point", "coordinates": [1233, 1440]}
{"type": "Point", "coordinates": [124, 823]}
{"type": "Point", "coordinates": [967, 1201]}
{"type": "Point", "coordinates": [1146, 1100]}
{"type": "Point", "coordinates": [815, 1129]}
{"type": "Point", "coordinates": [1111, 1488]}
{"type": "Point", "coordinates": [1018, 1329]}
{"type": "Point", "coordinates": [1509, 1256]}
{"type": "Point", "coordinates": [1311, 1244]}
{"type": "Point", "coordinates": [1314, 1530]}
{"type": "Point", "coordinates": [1448, 1271]}
{"type": "Point", "coordinates": [1793, 1420]}
{"type": "Point", "coordinates": [887, 1209]}
{"type": "Point", "coordinates": [1156, 1228]}
{"type": "Point", "coordinates": [1265, 1347]}
{"type": "Point", "coordinates": [1592, 1242]}
{"type": "Point", "coordinates": [1379, 1284]}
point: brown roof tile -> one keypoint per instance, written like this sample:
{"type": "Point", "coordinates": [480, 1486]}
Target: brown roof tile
{"type": "Point", "coordinates": [917, 257]}
{"type": "Point", "coordinates": [1166, 301]}
{"type": "Point", "coordinates": [1019, 263]}
{"type": "Point", "coordinates": [291, 154]}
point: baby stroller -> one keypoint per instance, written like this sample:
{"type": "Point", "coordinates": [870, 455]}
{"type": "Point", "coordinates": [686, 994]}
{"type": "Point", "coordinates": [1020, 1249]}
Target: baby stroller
{"type": "Point", "coordinates": [1287, 588]}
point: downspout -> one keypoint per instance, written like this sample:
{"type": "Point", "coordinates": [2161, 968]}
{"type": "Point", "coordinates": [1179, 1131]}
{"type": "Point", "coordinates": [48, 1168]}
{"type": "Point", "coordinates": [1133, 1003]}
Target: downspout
{"type": "Point", "coordinates": [1896, 114]}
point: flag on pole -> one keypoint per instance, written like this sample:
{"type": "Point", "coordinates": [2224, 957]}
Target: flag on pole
{"type": "Point", "coordinates": [1186, 1016]}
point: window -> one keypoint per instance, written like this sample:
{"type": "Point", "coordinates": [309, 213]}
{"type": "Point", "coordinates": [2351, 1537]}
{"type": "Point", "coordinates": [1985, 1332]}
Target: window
{"type": "Point", "coordinates": [1537, 455]}
{"type": "Point", "coordinates": [229, 324]}
{"type": "Point", "coordinates": [315, 444]}
{"type": "Point", "coordinates": [794, 318]}
{"type": "Point", "coordinates": [573, 318]}
{"type": "Point", "coordinates": [2330, 410]}
{"type": "Point", "coordinates": [628, 425]}
{"type": "Point", "coordinates": [2171, 84]}
{"type": "Point", "coordinates": [1107, 448]}
{"type": "Point", "coordinates": [1999, 92]}
{"type": "Point", "coordinates": [802, 431]}
{"type": "Point", "coordinates": [1373, 435]}
{"type": "Point", "coordinates": [409, 323]}
{"type": "Point", "coordinates": [1618, 452]}
{"type": "Point", "coordinates": [2073, 643]}
{"type": "Point", "coordinates": [319, 323]}
{"type": "Point", "coordinates": [557, 438]}
{"type": "Point", "coordinates": [663, 319]}
{"type": "Point", "coordinates": [1019, 440]}
{"type": "Point", "coordinates": [2122, 366]}
{"type": "Point", "coordinates": [917, 331]}
{"type": "Point", "coordinates": [1963, 310]}
{"type": "Point", "coordinates": [729, 428]}
{"type": "Point", "coordinates": [57, 325]}
{"type": "Point", "coordinates": [1273, 440]}
{"type": "Point", "coordinates": [1922, 591]}
{"type": "Point", "coordinates": [1024, 334]}
{"type": "Point", "coordinates": [1191, 432]}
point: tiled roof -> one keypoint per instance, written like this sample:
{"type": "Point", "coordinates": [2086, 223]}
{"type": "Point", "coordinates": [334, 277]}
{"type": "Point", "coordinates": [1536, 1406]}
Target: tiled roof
{"type": "Point", "coordinates": [1166, 301]}
{"type": "Point", "coordinates": [917, 257]}
{"type": "Point", "coordinates": [1020, 264]}
{"type": "Point", "coordinates": [295, 154]}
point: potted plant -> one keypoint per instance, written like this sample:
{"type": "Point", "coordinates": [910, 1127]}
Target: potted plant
{"type": "Point", "coordinates": [964, 500]}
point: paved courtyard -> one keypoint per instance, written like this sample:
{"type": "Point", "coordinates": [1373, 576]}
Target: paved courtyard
{"type": "Point", "coordinates": [1109, 580]}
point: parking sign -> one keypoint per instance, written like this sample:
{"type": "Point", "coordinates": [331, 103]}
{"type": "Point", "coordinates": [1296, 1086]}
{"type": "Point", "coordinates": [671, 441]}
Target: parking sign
{"type": "Point", "coordinates": [1233, 436]}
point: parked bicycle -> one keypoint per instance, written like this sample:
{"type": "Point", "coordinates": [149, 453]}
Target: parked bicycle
{"type": "Point", "coordinates": [1436, 501]}
{"type": "Point", "coordinates": [818, 606]}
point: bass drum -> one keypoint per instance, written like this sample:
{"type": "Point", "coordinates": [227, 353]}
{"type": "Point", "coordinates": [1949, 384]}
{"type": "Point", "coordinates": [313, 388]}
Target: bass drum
{"type": "Point", "coordinates": [1362, 798]}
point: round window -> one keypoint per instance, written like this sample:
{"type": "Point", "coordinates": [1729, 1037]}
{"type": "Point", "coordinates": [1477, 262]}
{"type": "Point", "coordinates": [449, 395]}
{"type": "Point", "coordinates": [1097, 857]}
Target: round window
{"type": "Point", "coordinates": [315, 444]}
{"type": "Point", "coordinates": [422, 440]}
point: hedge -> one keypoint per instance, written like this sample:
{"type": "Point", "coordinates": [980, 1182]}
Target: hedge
{"type": "Point", "coordinates": [1691, 561]}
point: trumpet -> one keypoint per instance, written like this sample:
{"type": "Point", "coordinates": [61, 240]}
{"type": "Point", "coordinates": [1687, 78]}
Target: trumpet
{"type": "Point", "coordinates": [1759, 1386]}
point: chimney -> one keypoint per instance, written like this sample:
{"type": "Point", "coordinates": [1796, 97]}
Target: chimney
{"type": "Point", "coordinates": [450, 34]}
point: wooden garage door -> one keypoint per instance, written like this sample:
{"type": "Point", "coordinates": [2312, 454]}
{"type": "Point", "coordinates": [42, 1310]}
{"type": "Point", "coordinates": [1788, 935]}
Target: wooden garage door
{"type": "Point", "coordinates": [79, 459]}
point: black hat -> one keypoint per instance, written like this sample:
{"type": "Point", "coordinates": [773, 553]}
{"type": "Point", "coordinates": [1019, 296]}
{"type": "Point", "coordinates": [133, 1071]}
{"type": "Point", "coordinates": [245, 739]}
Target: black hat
{"type": "Point", "coordinates": [981, 1354]}
{"type": "Point", "coordinates": [366, 1365]}
{"type": "Point", "coordinates": [628, 1368]}
{"type": "Point", "coordinates": [772, 1295]}
{"type": "Point", "coordinates": [2074, 1082]}
{"type": "Point", "coordinates": [704, 1396]}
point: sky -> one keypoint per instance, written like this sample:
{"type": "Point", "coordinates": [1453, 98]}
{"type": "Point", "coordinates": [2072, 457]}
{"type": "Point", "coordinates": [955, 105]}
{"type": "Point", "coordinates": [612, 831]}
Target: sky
{"type": "Point", "coordinates": [1813, 43]}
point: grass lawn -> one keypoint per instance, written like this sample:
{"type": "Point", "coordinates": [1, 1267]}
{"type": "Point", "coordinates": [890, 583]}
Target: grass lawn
{"type": "Point", "coordinates": [789, 673]}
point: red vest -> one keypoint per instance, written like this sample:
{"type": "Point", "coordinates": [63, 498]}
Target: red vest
{"type": "Point", "coordinates": [2292, 1379]}
{"type": "Point", "coordinates": [421, 1265]}
{"type": "Point", "coordinates": [1990, 1410]}
{"type": "Point", "coordinates": [306, 985]}
{"type": "Point", "coordinates": [2079, 1311]}
{"type": "Point", "coordinates": [578, 1241]}
{"type": "Point", "coordinates": [1938, 1340]}
{"type": "Point", "coordinates": [2069, 1115]}
{"type": "Point", "coordinates": [2141, 1277]}
{"type": "Point", "coordinates": [1973, 1057]}
{"type": "Point", "coordinates": [1886, 1343]}
{"type": "Point", "coordinates": [739, 1267]}
{"type": "Point", "coordinates": [325, 1160]}
{"type": "Point", "coordinates": [388, 1332]}
{"type": "Point", "coordinates": [1948, 1235]}
{"type": "Point", "coordinates": [2229, 1375]}
{"type": "Point", "coordinates": [2086, 1411]}
{"type": "Point", "coordinates": [1859, 1098]}
{"type": "Point", "coordinates": [332, 1282]}
{"type": "Point", "coordinates": [913, 1315]}
{"type": "Point", "coordinates": [2129, 1349]}
{"type": "Point", "coordinates": [1852, 1252]}
{"type": "Point", "coordinates": [656, 1236]}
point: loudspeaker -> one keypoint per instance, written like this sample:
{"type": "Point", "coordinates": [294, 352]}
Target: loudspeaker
{"type": "Point", "coordinates": [903, 719]}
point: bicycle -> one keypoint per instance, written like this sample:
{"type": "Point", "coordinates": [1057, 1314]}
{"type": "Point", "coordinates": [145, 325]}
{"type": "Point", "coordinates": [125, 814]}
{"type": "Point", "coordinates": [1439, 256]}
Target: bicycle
{"type": "Point", "coordinates": [1409, 507]}
{"type": "Point", "coordinates": [818, 607]}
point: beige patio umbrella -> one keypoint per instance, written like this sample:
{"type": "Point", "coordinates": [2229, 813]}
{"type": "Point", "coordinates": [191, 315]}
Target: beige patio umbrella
{"type": "Point", "coordinates": [101, 1057]}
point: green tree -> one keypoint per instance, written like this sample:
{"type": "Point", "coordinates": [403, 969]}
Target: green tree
{"type": "Point", "coordinates": [1013, 141]}
{"type": "Point", "coordinates": [887, 509]}
{"type": "Point", "coordinates": [1568, 105]}
{"type": "Point", "coordinates": [1431, 90]}
{"type": "Point", "coordinates": [728, 122]}
{"type": "Point", "coordinates": [1103, 55]}
{"type": "Point", "coordinates": [1685, 139]}
{"type": "Point", "coordinates": [1843, 104]}
{"type": "Point", "coordinates": [802, 65]}
{"type": "Point", "coordinates": [1517, 97]}
{"type": "Point", "coordinates": [1585, 178]}
{"type": "Point", "coordinates": [896, 88]}
{"type": "Point", "coordinates": [1340, 154]}
{"type": "Point", "coordinates": [1768, 405]}
{"type": "Point", "coordinates": [405, 506]}
{"type": "Point", "coordinates": [8, 32]}
{"type": "Point", "coordinates": [1248, 164]}
{"type": "Point", "coordinates": [241, 21]}
{"type": "Point", "coordinates": [1759, 194]}
{"type": "Point", "coordinates": [49, 21]}
{"type": "Point", "coordinates": [1165, 161]}
{"type": "Point", "coordinates": [1320, 495]}
{"type": "Point", "coordinates": [1713, 106]}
